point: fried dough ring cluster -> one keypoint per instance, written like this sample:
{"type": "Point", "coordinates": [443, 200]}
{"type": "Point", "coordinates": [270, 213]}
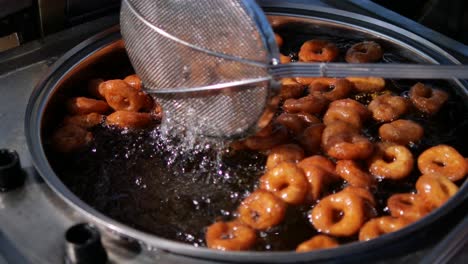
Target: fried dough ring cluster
{"type": "Point", "coordinates": [125, 105]}
{"type": "Point", "coordinates": [319, 155]}
{"type": "Point", "coordinates": [337, 150]}
{"type": "Point", "coordinates": [326, 142]}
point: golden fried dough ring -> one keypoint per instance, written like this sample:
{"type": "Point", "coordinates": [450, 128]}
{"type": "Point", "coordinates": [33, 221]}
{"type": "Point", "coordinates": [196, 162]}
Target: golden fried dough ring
{"type": "Point", "coordinates": [331, 88]}
{"type": "Point", "coordinates": [121, 96]}
{"type": "Point", "coordinates": [321, 162]}
{"type": "Point", "coordinates": [84, 121]}
{"type": "Point", "coordinates": [352, 104]}
{"type": "Point", "coordinates": [70, 138]}
{"type": "Point", "coordinates": [317, 179]}
{"type": "Point", "coordinates": [343, 141]}
{"type": "Point", "coordinates": [381, 226]}
{"type": "Point", "coordinates": [339, 214]}
{"type": "Point", "coordinates": [317, 242]}
{"type": "Point", "coordinates": [344, 114]}
{"type": "Point", "coordinates": [262, 210]}
{"type": "Point", "coordinates": [350, 147]}
{"type": "Point", "coordinates": [125, 119]}
{"type": "Point", "coordinates": [287, 181]}
{"type": "Point", "coordinates": [363, 193]}
{"type": "Point", "coordinates": [363, 52]}
{"type": "Point", "coordinates": [407, 205]}
{"type": "Point", "coordinates": [435, 189]}
{"type": "Point", "coordinates": [319, 171]}
{"type": "Point", "coordinates": [134, 81]}
{"type": "Point", "coordinates": [311, 104]}
{"type": "Point", "coordinates": [269, 112]}
{"type": "Point", "coordinates": [230, 236]}
{"type": "Point", "coordinates": [311, 138]}
{"type": "Point", "coordinates": [84, 105]}
{"type": "Point", "coordinates": [426, 99]}
{"type": "Point", "coordinates": [337, 128]}
{"type": "Point", "coordinates": [346, 110]}
{"type": "Point", "coordinates": [297, 123]}
{"type": "Point", "coordinates": [351, 172]}
{"type": "Point", "coordinates": [318, 50]}
{"type": "Point", "coordinates": [391, 161]}
{"type": "Point", "coordinates": [367, 84]}
{"type": "Point", "coordinates": [443, 160]}
{"type": "Point", "coordinates": [287, 152]}
{"type": "Point", "coordinates": [290, 89]}
{"type": "Point", "coordinates": [401, 132]}
{"type": "Point", "coordinates": [386, 108]}
{"type": "Point", "coordinates": [267, 138]}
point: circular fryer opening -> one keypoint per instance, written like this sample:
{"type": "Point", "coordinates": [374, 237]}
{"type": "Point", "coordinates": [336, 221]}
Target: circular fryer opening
{"type": "Point", "coordinates": [81, 234]}
{"type": "Point", "coordinates": [7, 158]}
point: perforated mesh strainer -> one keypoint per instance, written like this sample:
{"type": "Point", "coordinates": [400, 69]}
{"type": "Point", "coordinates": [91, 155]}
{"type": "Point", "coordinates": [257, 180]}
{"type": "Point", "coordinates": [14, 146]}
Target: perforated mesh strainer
{"type": "Point", "coordinates": [193, 46]}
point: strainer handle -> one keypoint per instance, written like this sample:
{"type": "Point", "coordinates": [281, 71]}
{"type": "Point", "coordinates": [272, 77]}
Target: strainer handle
{"type": "Point", "coordinates": [388, 70]}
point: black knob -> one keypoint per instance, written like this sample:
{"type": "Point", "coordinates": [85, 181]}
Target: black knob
{"type": "Point", "coordinates": [11, 174]}
{"type": "Point", "coordinates": [83, 245]}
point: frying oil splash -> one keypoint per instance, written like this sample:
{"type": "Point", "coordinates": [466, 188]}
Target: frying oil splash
{"type": "Point", "coordinates": [162, 181]}
{"type": "Point", "coordinates": [190, 151]}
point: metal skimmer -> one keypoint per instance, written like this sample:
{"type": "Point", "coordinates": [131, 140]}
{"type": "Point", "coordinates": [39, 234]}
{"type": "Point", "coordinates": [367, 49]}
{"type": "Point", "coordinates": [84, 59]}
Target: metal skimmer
{"type": "Point", "coordinates": [212, 64]}
{"type": "Point", "coordinates": [207, 67]}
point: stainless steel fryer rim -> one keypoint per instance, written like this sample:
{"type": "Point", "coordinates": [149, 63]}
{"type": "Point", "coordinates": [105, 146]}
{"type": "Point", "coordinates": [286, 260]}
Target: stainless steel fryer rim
{"type": "Point", "coordinates": [34, 115]}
